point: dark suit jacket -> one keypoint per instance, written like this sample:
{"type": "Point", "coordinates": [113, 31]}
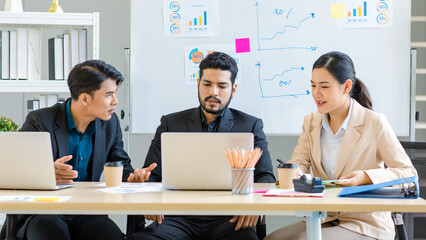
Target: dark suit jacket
{"type": "Point", "coordinates": [108, 144]}
{"type": "Point", "coordinates": [232, 121]}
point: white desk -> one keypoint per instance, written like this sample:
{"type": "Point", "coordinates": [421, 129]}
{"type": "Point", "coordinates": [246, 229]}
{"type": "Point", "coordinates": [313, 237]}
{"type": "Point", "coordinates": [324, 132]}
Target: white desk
{"type": "Point", "coordinates": [86, 200]}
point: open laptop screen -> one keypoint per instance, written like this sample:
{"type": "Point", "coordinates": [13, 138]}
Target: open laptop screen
{"type": "Point", "coordinates": [26, 161]}
{"type": "Point", "coordinates": [197, 160]}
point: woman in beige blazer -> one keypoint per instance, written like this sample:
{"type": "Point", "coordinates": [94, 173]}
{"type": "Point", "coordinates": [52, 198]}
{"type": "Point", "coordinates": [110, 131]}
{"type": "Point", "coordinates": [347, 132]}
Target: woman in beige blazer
{"type": "Point", "coordinates": [344, 139]}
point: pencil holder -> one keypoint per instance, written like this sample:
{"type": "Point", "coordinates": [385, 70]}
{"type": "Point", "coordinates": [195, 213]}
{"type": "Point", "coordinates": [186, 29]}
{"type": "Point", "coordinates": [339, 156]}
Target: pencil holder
{"type": "Point", "coordinates": [242, 181]}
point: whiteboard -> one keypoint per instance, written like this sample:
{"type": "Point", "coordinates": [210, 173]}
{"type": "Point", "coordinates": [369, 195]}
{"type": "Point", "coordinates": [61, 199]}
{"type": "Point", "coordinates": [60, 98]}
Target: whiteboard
{"type": "Point", "coordinates": [274, 77]}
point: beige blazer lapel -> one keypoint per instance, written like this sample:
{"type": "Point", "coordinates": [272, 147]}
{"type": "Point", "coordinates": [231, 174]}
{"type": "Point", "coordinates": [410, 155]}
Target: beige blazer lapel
{"type": "Point", "coordinates": [316, 146]}
{"type": "Point", "coordinates": [350, 140]}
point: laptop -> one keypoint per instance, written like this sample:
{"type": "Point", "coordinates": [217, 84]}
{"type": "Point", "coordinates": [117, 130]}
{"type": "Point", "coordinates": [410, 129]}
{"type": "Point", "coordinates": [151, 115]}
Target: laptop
{"type": "Point", "coordinates": [26, 161]}
{"type": "Point", "coordinates": [196, 161]}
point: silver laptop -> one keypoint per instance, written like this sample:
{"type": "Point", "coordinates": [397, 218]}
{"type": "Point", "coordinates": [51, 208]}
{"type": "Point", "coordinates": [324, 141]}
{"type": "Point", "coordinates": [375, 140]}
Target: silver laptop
{"type": "Point", "coordinates": [26, 161]}
{"type": "Point", "coordinates": [196, 161]}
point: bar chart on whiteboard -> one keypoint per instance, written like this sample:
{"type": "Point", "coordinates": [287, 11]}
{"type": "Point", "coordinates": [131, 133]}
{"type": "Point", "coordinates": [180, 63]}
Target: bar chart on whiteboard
{"type": "Point", "coordinates": [191, 18]}
{"type": "Point", "coordinates": [365, 13]}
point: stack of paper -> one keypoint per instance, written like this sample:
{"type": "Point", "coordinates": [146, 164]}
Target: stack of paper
{"type": "Point", "coordinates": [290, 193]}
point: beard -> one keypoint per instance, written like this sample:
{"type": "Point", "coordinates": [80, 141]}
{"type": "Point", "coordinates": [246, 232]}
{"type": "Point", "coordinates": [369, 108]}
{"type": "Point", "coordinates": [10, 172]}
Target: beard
{"type": "Point", "coordinates": [211, 111]}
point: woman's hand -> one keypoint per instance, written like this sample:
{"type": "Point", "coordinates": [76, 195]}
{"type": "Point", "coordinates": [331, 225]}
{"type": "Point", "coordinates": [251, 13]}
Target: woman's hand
{"type": "Point", "coordinates": [354, 178]}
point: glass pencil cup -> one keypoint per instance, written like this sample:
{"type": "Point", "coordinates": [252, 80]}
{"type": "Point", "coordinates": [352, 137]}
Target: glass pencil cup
{"type": "Point", "coordinates": [242, 181]}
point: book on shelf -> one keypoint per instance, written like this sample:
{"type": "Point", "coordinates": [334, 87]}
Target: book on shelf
{"type": "Point", "coordinates": [47, 100]}
{"type": "Point", "coordinates": [51, 99]}
{"type": "Point", "coordinates": [34, 54]}
{"type": "Point", "coordinates": [21, 50]}
{"type": "Point", "coordinates": [32, 105]}
{"type": "Point", "coordinates": [22, 53]}
{"type": "Point", "coordinates": [74, 47]}
{"type": "Point", "coordinates": [56, 59]}
{"type": "Point", "coordinates": [42, 101]}
{"type": "Point", "coordinates": [13, 55]}
{"type": "Point", "coordinates": [82, 45]}
{"type": "Point", "coordinates": [4, 60]}
{"type": "Point", "coordinates": [67, 55]}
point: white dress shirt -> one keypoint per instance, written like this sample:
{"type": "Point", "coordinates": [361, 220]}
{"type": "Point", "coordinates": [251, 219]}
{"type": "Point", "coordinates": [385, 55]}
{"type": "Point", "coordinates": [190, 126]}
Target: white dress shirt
{"type": "Point", "coordinates": [330, 143]}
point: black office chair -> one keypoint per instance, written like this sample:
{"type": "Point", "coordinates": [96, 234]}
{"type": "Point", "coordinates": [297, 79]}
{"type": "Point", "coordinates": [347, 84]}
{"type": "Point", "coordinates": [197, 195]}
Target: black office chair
{"type": "Point", "coordinates": [415, 222]}
{"type": "Point", "coordinates": [401, 233]}
{"type": "Point", "coordinates": [135, 223]}
{"type": "Point", "coordinates": [261, 227]}
{"type": "Point", "coordinates": [8, 230]}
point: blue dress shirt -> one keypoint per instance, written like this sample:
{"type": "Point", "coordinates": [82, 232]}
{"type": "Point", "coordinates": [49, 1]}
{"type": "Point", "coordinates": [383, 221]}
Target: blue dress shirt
{"type": "Point", "coordinates": [213, 126]}
{"type": "Point", "coordinates": [80, 146]}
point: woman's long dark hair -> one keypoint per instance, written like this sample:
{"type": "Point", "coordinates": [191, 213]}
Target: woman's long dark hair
{"type": "Point", "coordinates": [340, 65]}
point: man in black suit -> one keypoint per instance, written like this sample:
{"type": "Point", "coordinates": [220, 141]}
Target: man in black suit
{"type": "Point", "coordinates": [216, 87]}
{"type": "Point", "coordinates": [85, 134]}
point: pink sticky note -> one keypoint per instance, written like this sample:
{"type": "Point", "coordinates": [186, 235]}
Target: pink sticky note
{"type": "Point", "coordinates": [242, 45]}
{"type": "Point", "coordinates": [260, 191]}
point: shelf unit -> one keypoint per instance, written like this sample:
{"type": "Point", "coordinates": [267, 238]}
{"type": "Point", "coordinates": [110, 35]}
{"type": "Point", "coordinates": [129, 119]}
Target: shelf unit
{"type": "Point", "coordinates": [48, 20]}
{"type": "Point", "coordinates": [419, 71]}
{"type": "Point", "coordinates": [44, 86]}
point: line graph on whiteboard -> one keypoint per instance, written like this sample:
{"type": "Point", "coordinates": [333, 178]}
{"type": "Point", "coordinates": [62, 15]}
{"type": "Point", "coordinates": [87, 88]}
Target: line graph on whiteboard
{"type": "Point", "coordinates": [286, 83]}
{"type": "Point", "coordinates": [280, 28]}
{"type": "Point", "coordinates": [285, 22]}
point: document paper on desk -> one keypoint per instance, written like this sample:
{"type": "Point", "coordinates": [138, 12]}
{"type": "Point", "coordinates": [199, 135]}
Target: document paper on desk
{"type": "Point", "coordinates": [383, 190]}
{"type": "Point", "coordinates": [128, 187]}
{"type": "Point", "coordinates": [31, 198]}
{"type": "Point", "coordinates": [291, 193]}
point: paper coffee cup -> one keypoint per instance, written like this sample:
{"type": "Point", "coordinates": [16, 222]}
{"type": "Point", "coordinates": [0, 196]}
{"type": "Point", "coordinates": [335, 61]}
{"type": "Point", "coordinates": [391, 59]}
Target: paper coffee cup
{"type": "Point", "coordinates": [113, 173]}
{"type": "Point", "coordinates": [286, 173]}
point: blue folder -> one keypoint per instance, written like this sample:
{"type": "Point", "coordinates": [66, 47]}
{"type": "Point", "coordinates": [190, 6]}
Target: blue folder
{"type": "Point", "coordinates": [384, 190]}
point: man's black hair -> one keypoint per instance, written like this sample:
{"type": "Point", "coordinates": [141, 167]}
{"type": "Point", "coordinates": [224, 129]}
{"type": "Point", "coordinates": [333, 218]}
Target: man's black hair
{"type": "Point", "coordinates": [87, 77]}
{"type": "Point", "coordinates": [222, 61]}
